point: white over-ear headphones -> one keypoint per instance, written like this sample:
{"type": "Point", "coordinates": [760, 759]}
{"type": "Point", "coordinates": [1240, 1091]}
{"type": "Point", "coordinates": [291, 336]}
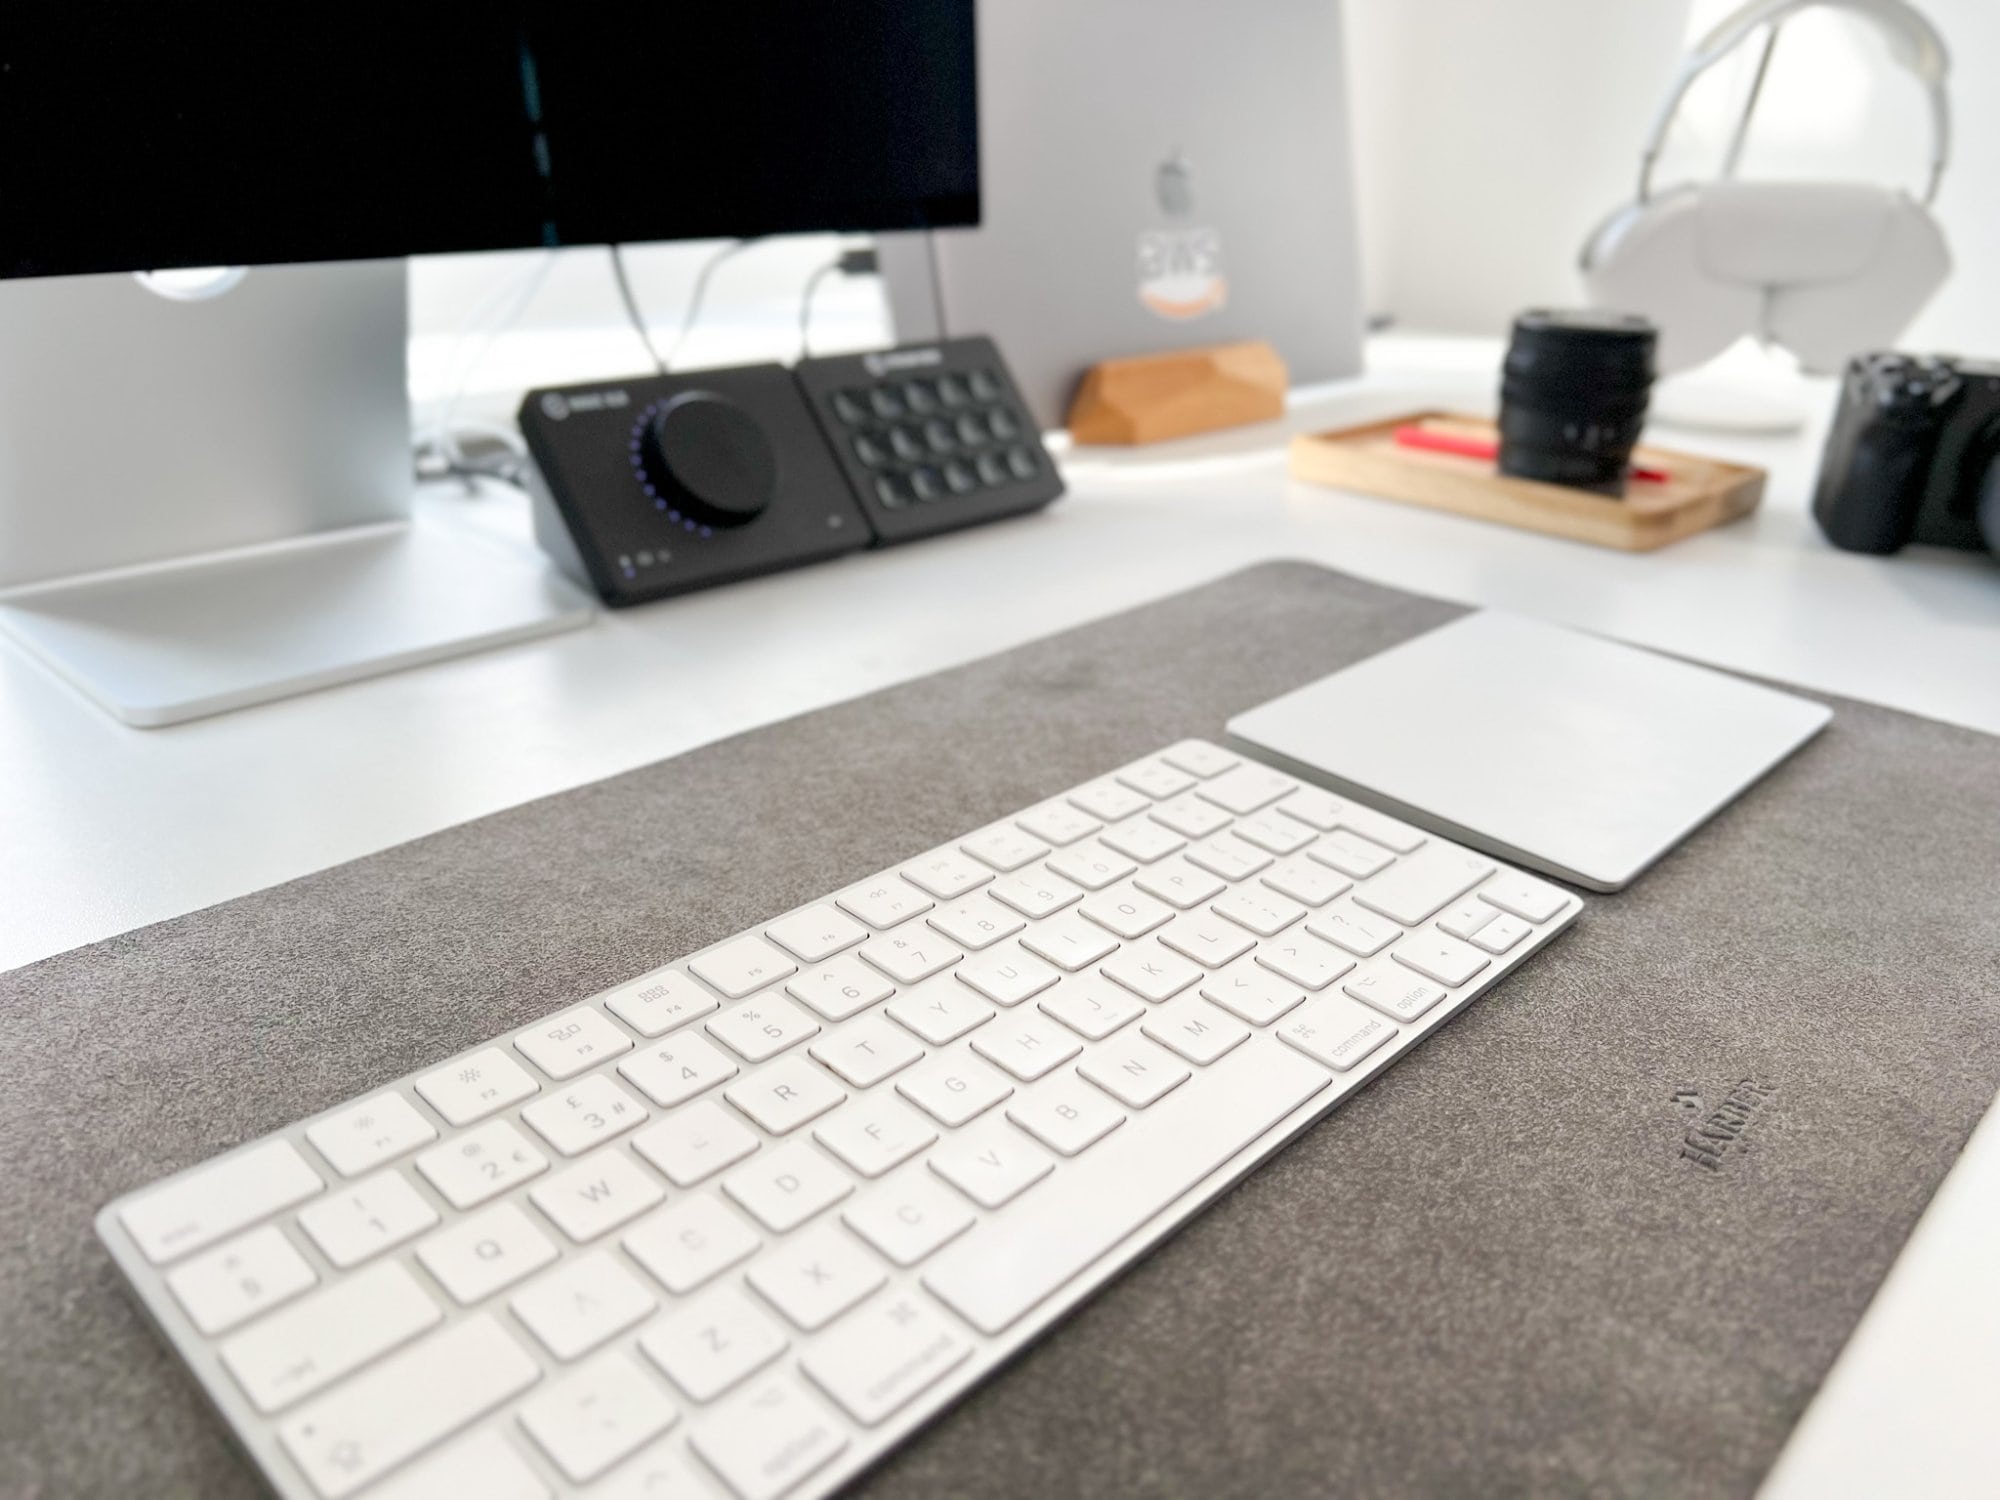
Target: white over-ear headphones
{"type": "Point", "coordinates": [1827, 269]}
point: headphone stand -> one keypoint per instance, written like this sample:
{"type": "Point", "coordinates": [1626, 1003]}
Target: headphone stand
{"type": "Point", "coordinates": [1748, 388]}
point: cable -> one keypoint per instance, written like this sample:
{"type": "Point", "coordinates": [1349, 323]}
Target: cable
{"type": "Point", "coordinates": [858, 262]}
{"type": "Point", "coordinates": [632, 306]}
{"type": "Point", "coordinates": [700, 291]}
{"type": "Point", "coordinates": [491, 317]}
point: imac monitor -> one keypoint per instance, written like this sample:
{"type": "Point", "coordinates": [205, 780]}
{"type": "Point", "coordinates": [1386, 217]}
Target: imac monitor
{"type": "Point", "coordinates": [207, 503]}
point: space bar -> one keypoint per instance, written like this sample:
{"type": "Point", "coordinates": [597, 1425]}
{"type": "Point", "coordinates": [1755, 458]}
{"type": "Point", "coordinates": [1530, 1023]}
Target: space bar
{"type": "Point", "coordinates": [1008, 1264]}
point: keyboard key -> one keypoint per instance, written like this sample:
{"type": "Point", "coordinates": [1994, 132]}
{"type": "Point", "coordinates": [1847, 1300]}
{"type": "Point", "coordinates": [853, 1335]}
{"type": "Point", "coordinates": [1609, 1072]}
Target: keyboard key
{"type": "Point", "coordinates": [1252, 992]}
{"type": "Point", "coordinates": [691, 1145]}
{"type": "Point", "coordinates": [1090, 1007]}
{"type": "Point", "coordinates": [479, 1464]}
{"type": "Point", "coordinates": [954, 1088]}
{"type": "Point", "coordinates": [1058, 823]}
{"type": "Point", "coordinates": [1134, 1071]}
{"type": "Point", "coordinates": [946, 874]}
{"type": "Point", "coordinates": [714, 1343]}
{"type": "Point", "coordinates": [586, 1422]}
{"type": "Point", "coordinates": [1190, 817]}
{"type": "Point", "coordinates": [1304, 960]}
{"type": "Point", "coordinates": [351, 1436]}
{"type": "Point", "coordinates": [1361, 933]}
{"type": "Point", "coordinates": [1336, 1031]}
{"type": "Point", "coordinates": [1155, 778]}
{"type": "Point", "coordinates": [816, 933]}
{"type": "Point", "coordinates": [1007, 976]}
{"type": "Point", "coordinates": [1178, 883]}
{"type": "Point", "coordinates": [1005, 847]}
{"type": "Point", "coordinates": [598, 1194]}
{"type": "Point", "coordinates": [1351, 855]}
{"type": "Point", "coordinates": [218, 1199]}
{"type": "Point", "coordinates": [689, 1242]}
{"type": "Point", "coordinates": [875, 1134]}
{"type": "Point", "coordinates": [882, 1358]}
{"type": "Point", "coordinates": [1199, 758]}
{"type": "Point", "coordinates": [785, 1187]}
{"type": "Point", "coordinates": [940, 1011]}
{"type": "Point", "coordinates": [867, 1051]}
{"type": "Point", "coordinates": [769, 1439]}
{"type": "Point", "coordinates": [910, 955]}
{"type": "Point", "coordinates": [1125, 912]}
{"type": "Point", "coordinates": [1273, 832]}
{"type": "Point", "coordinates": [1501, 934]}
{"type": "Point", "coordinates": [1027, 1044]}
{"type": "Point", "coordinates": [978, 922]}
{"type": "Point", "coordinates": [1036, 894]}
{"type": "Point", "coordinates": [1524, 896]}
{"type": "Point", "coordinates": [740, 967]}
{"type": "Point", "coordinates": [1143, 840]}
{"type": "Point", "coordinates": [1245, 788]}
{"type": "Point", "coordinates": [1151, 972]}
{"type": "Point", "coordinates": [1228, 856]}
{"type": "Point", "coordinates": [884, 903]}
{"type": "Point", "coordinates": [1438, 957]}
{"type": "Point", "coordinates": [818, 1276]}
{"type": "Point", "coordinates": [363, 1136]}
{"type": "Point", "coordinates": [762, 1028]}
{"type": "Point", "coordinates": [587, 1113]}
{"type": "Point", "coordinates": [908, 1216]}
{"type": "Point", "coordinates": [565, 1045]}
{"type": "Point", "coordinates": [1008, 1264]}
{"type": "Point", "coordinates": [677, 1069]}
{"type": "Point", "coordinates": [840, 988]}
{"type": "Point", "coordinates": [993, 1163]}
{"type": "Point", "coordinates": [482, 1163]}
{"type": "Point", "coordinates": [236, 1281]}
{"type": "Point", "coordinates": [785, 1095]}
{"type": "Point", "coordinates": [366, 1218]}
{"type": "Point", "coordinates": [1195, 1029]}
{"type": "Point", "coordinates": [474, 1087]}
{"type": "Point", "coordinates": [1206, 939]}
{"type": "Point", "coordinates": [1421, 883]}
{"type": "Point", "coordinates": [1314, 808]}
{"type": "Point", "coordinates": [655, 1005]}
{"type": "Point", "coordinates": [1378, 829]}
{"type": "Point", "coordinates": [474, 1258]}
{"type": "Point", "coordinates": [1066, 1114]}
{"type": "Point", "coordinates": [1302, 880]}
{"type": "Point", "coordinates": [1466, 917]}
{"type": "Point", "coordinates": [1070, 943]}
{"type": "Point", "coordinates": [1393, 990]}
{"type": "Point", "coordinates": [1091, 864]}
{"type": "Point", "coordinates": [305, 1347]}
{"type": "Point", "coordinates": [1263, 912]}
{"type": "Point", "coordinates": [1109, 800]}
{"type": "Point", "coordinates": [581, 1303]}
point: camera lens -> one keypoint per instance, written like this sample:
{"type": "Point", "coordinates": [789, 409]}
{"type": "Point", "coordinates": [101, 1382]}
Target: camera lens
{"type": "Point", "coordinates": [1573, 396]}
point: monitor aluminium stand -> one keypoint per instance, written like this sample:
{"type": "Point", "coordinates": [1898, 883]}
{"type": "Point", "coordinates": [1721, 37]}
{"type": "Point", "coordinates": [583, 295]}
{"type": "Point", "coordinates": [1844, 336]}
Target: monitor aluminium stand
{"type": "Point", "coordinates": [208, 504]}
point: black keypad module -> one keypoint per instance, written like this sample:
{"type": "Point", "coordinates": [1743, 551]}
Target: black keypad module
{"type": "Point", "coordinates": [933, 436]}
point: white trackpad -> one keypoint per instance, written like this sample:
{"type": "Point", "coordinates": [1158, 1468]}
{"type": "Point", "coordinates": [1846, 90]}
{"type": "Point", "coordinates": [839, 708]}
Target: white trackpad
{"type": "Point", "coordinates": [1565, 752]}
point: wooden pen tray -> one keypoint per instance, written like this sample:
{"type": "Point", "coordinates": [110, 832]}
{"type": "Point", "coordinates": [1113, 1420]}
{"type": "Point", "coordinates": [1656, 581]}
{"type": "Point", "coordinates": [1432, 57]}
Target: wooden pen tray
{"type": "Point", "coordinates": [1698, 492]}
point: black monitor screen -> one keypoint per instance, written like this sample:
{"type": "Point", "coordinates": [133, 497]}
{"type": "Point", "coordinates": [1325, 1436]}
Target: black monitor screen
{"type": "Point", "coordinates": [157, 133]}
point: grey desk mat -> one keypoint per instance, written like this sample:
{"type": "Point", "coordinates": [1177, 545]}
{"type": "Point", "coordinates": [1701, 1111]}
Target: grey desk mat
{"type": "Point", "coordinates": [1494, 1271]}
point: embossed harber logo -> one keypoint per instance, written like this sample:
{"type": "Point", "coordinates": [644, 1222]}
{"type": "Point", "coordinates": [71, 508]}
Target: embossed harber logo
{"type": "Point", "coordinates": [1719, 1132]}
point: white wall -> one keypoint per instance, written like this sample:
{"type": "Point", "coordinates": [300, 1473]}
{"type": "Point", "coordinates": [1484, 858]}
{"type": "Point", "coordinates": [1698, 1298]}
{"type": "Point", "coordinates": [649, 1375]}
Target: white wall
{"type": "Point", "coordinates": [1491, 138]}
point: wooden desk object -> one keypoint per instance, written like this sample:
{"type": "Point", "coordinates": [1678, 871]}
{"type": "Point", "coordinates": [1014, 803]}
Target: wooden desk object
{"type": "Point", "coordinates": [1698, 492]}
{"type": "Point", "coordinates": [1152, 397]}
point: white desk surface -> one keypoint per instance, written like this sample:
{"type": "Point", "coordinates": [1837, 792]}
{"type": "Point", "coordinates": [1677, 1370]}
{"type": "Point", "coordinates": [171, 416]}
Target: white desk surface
{"type": "Point", "coordinates": [105, 828]}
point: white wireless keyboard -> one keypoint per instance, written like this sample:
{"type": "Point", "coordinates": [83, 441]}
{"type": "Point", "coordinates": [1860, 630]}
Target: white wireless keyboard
{"type": "Point", "coordinates": [742, 1225]}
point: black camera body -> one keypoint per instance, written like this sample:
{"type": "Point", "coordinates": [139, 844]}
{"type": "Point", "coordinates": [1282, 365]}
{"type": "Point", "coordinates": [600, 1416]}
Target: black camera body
{"type": "Point", "coordinates": [1914, 456]}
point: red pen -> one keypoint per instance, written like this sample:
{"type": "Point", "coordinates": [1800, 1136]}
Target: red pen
{"type": "Point", "coordinates": [1472, 447]}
